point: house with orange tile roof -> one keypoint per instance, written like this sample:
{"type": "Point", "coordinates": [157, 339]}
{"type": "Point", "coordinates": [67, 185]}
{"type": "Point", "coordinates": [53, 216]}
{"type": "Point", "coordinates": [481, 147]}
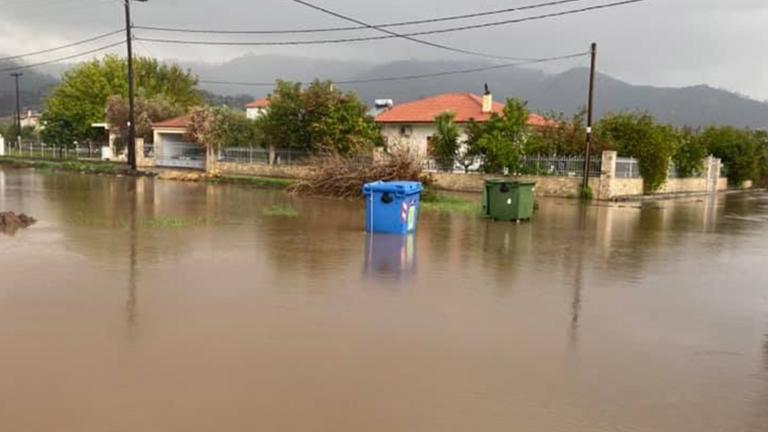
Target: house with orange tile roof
{"type": "Point", "coordinates": [172, 149]}
{"type": "Point", "coordinates": [411, 125]}
{"type": "Point", "coordinates": [256, 108]}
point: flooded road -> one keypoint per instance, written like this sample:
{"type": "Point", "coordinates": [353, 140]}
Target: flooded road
{"type": "Point", "coordinates": [141, 305]}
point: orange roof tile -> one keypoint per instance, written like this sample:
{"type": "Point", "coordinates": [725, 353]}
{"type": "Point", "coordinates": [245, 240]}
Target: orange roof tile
{"type": "Point", "coordinates": [175, 123]}
{"type": "Point", "coordinates": [259, 103]}
{"type": "Point", "coordinates": [465, 106]}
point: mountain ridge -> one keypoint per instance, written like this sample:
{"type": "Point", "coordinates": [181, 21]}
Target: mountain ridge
{"type": "Point", "coordinates": [693, 105]}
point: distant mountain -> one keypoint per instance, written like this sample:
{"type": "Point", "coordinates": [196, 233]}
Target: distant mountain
{"type": "Point", "coordinates": [564, 92]}
{"type": "Point", "coordinates": [699, 105]}
{"type": "Point", "coordinates": [33, 87]}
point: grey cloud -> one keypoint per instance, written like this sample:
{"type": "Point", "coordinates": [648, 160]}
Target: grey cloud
{"type": "Point", "coordinates": [661, 42]}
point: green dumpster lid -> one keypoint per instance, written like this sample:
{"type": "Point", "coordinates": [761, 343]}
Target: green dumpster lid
{"type": "Point", "coordinates": [510, 182]}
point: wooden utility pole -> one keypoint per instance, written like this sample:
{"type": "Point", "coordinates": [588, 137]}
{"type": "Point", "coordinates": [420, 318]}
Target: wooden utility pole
{"type": "Point", "coordinates": [17, 75]}
{"type": "Point", "coordinates": [131, 109]}
{"type": "Point", "coordinates": [590, 105]}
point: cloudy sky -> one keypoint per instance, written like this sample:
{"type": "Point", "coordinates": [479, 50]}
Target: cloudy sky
{"type": "Point", "coordinates": [722, 43]}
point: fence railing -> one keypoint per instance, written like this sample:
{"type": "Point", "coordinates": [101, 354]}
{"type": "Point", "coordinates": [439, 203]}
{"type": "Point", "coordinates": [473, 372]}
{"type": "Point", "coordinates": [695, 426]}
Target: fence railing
{"type": "Point", "coordinates": [260, 156]}
{"type": "Point", "coordinates": [627, 168]}
{"type": "Point", "coordinates": [560, 166]}
{"type": "Point", "coordinates": [556, 166]}
{"type": "Point", "coordinates": [42, 151]}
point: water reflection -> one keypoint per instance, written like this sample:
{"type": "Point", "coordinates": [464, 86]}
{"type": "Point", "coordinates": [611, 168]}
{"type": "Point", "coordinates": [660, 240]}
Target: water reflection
{"type": "Point", "coordinates": [131, 303]}
{"type": "Point", "coordinates": [248, 318]}
{"type": "Point", "coordinates": [390, 256]}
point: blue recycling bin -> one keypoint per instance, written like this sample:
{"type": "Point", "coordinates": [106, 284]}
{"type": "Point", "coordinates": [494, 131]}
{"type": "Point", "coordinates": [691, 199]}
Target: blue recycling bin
{"type": "Point", "coordinates": [392, 207]}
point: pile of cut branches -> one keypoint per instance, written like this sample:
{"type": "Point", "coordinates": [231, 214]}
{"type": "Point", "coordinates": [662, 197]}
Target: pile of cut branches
{"type": "Point", "coordinates": [341, 177]}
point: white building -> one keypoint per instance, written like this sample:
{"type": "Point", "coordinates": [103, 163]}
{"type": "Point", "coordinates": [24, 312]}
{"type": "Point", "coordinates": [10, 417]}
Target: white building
{"type": "Point", "coordinates": [411, 125]}
{"type": "Point", "coordinates": [256, 108]}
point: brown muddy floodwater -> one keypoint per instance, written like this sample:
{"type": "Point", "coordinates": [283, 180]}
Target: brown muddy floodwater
{"type": "Point", "coordinates": [141, 305]}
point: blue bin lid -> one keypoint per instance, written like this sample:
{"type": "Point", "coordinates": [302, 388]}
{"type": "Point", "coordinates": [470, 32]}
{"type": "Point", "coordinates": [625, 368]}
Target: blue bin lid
{"type": "Point", "coordinates": [395, 187]}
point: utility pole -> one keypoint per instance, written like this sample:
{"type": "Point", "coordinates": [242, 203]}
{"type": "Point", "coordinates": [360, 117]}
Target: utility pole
{"type": "Point", "coordinates": [131, 109]}
{"type": "Point", "coordinates": [590, 105]}
{"type": "Point", "coordinates": [17, 75]}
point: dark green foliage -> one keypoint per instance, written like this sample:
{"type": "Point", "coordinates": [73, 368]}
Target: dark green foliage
{"type": "Point", "coordinates": [637, 135]}
{"type": "Point", "coordinates": [444, 145]}
{"type": "Point", "coordinates": [566, 138]}
{"type": "Point", "coordinates": [737, 148]}
{"type": "Point", "coordinates": [501, 140]}
{"type": "Point", "coordinates": [689, 154]}
{"type": "Point", "coordinates": [761, 138]}
{"type": "Point", "coordinates": [318, 118]}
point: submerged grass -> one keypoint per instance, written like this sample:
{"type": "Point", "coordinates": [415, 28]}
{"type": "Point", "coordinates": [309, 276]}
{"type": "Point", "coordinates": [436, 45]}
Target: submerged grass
{"type": "Point", "coordinates": [166, 222]}
{"type": "Point", "coordinates": [73, 166]}
{"type": "Point", "coordinates": [440, 203]}
{"type": "Point", "coordinates": [261, 182]}
{"type": "Point", "coordinates": [283, 211]}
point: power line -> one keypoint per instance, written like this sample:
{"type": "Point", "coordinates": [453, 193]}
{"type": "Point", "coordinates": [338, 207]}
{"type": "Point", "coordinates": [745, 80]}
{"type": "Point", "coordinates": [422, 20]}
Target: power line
{"type": "Point", "coordinates": [70, 45]}
{"type": "Point", "coordinates": [399, 35]}
{"type": "Point", "coordinates": [396, 35]}
{"type": "Point", "coordinates": [415, 76]}
{"type": "Point", "coordinates": [84, 53]}
{"type": "Point", "coordinates": [361, 27]}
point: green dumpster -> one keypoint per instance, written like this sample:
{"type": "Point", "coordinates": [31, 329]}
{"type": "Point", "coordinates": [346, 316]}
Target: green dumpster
{"type": "Point", "coordinates": [508, 200]}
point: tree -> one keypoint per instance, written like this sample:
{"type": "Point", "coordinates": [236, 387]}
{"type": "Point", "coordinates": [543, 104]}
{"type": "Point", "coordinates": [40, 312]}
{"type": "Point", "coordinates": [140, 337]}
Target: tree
{"type": "Point", "coordinates": [737, 148]}
{"type": "Point", "coordinates": [318, 119]}
{"type": "Point", "coordinates": [223, 127]}
{"type": "Point", "coordinates": [500, 141]}
{"type": "Point", "coordinates": [147, 111]}
{"type": "Point", "coordinates": [689, 154]}
{"type": "Point", "coordinates": [445, 142]}
{"type": "Point", "coordinates": [637, 135]}
{"type": "Point", "coordinates": [761, 138]}
{"type": "Point", "coordinates": [81, 97]}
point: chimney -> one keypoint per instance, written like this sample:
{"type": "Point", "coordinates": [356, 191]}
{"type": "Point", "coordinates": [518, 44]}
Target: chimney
{"type": "Point", "coordinates": [487, 101]}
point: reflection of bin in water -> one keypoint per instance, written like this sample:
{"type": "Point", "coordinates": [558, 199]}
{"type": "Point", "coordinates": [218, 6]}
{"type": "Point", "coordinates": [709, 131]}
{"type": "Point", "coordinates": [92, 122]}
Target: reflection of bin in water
{"type": "Point", "coordinates": [508, 200]}
{"type": "Point", "coordinates": [392, 207]}
{"type": "Point", "coordinates": [390, 255]}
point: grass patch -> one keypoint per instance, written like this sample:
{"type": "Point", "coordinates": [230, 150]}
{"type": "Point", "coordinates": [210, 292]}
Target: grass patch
{"type": "Point", "coordinates": [282, 211]}
{"type": "Point", "coordinates": [261, 182]}
{"type": "Point", "coordinates": [73, 166]}
{"type": "Point", "coordinates": [449, 204]}
{"type": "Point", "coordinates": [166, 222]}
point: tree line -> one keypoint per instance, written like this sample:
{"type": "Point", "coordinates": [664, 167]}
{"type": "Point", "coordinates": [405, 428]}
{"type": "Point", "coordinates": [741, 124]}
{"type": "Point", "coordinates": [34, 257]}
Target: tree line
{"type": "Point", "coordinates": [499, 144]}
{"type": "Point", "coordinates": [320, 118]}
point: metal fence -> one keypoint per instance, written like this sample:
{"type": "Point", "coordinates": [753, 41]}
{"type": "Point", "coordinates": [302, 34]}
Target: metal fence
{"type": "Point", "coordinates": [560, 166]}
{"type": "Point", "coordinates": [627, 168]}
{"type": "Point", "coordinates": [260, 156]}
{"type": "Point", "coordinates": [556, 166]}
{"type": "Point", "coordinates": [42, 151]}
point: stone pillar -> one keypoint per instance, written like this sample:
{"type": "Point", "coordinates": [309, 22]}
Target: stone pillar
{"type": "Point", "coordinates": [211, 161]}
{"type": "Point", "coordinates": [271, 150]}
{"type": "Point", "coordinates": [141, 160]}
{"type": "Point", "coordinates": [607, 174]}
{"type": "Point", "coordinates": [139, 148]}
{"type": "Point", "coordinates": [2, 146]}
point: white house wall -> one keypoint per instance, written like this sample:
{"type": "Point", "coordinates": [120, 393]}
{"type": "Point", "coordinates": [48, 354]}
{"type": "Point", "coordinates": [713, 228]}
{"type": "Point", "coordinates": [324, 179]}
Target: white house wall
{"type": "Point", "coordinates": [254, 113]}
{"type": "Point", "coordinates": [418, 138]}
